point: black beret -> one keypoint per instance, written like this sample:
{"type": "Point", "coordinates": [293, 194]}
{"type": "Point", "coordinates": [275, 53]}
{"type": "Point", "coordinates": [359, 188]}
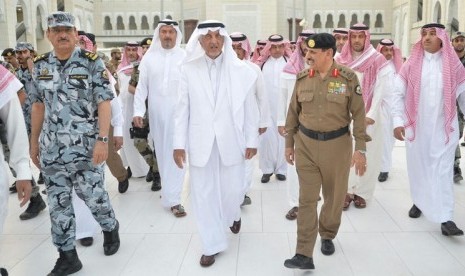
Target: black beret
{"type": "Point", "coordinates": [433, 25]}
{"type": "Point", "coordinates": [8, 52]}
{"type": "Point", "coordinates": [81, 33]}
{"type": "Point", "coordinates": [146, 41]}
{"type": "Point", "coordinates": [91, 37]}
{"type": "Point", "coordinates": [321, 41]}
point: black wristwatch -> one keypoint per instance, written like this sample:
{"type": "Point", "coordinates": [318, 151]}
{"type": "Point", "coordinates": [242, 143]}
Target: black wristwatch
{"type": "Point", "coordinates": [103, 139]}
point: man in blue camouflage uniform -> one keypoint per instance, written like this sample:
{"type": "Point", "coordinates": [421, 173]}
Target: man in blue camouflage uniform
{"type": "Point", "coordinates": [71, 107]}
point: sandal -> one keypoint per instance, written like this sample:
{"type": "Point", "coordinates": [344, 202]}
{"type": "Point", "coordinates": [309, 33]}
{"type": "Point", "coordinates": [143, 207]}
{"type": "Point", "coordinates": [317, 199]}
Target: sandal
{"type": "Point", "coordinates": [292, 214]}
{"type": "Point", "coordinates": [359, 202]}
{"type": "Point", "coordinates": [349, 198]}
{"type": "Point", "coordinates": [178, 211]}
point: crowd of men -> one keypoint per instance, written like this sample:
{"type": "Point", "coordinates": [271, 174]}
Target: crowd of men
{"type": "Point", "coordinates": [325, 103]}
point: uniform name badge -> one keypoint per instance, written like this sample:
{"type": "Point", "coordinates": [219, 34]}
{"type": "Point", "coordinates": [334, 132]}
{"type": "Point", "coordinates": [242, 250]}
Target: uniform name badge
{"type": "Point", "coordinates": [337, 87]}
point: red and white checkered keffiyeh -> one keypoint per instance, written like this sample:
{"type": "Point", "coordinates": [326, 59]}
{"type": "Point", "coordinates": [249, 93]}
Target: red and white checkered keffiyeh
{"type": "Point", "coordinates": [9, 86]}
{"type": "Point", "coordinates": [397, 55]}
{"type": "Point", "coordinates": [124, 65]}
{"type": "Point", "coordinates": [266, 52]}
{"type": "Point", "coordinates": [296, 62]}
{"type": "Point", "coordinates": [89, 46]}
{"type": "Point", "coordinates": [369, 63]}
{"type": "Point", "coordinates": [245, 44]}
{"type": "Point", "coordinates": [453, 75]}
{"type": "Point", "coordinates": [256, 52]}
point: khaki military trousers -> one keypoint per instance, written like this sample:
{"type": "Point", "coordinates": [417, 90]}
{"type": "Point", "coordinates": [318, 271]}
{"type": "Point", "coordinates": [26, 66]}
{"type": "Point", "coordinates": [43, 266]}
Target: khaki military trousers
{"type": "Point", "coordinates": [325, 165]}
{"type": "Point", "coordinates": [114, 162]}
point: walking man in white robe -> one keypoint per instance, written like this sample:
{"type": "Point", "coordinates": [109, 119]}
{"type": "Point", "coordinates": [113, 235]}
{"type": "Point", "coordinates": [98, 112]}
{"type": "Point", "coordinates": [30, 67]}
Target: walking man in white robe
{"type": "Point", "coordinates": [158, 81]}
{"type": "Point", "coordinates": [425, 116]}
{"type": "Point", "coordinates": [375, 75]}
{"type": "Point", "coordinates": [216, 122]}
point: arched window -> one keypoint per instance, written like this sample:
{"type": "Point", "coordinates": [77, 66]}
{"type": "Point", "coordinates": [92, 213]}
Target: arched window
{"type": "Point", "coordinates": [169, 17]}
{"type": "Point", "coordinates": [366, 19]}
{"type": "Point", "coordinates": [132, 23]}
{"type": "Point", "coordinates": [145, 23]}
{"type": "Point", "coordinates": [107, 24]}
{"type": "Point", "coordinates": [156, 19]}
{"type": "Point", "coordinates": [329, 21]}
{"type": "Point", "coordinates": [437, 12]}
{"type": "Point", "coordinates": [354, 20]}
{"type": "Point", "coordinates": [342, 21]}
{"type": "Point", "coordinates": [420, 10]}
{"type": "Point", "coordinates": [379, 21]}
{"type": "Point", "coordinates": [317, 22]}
{"type": "Point", "coordinates": [119, 23]}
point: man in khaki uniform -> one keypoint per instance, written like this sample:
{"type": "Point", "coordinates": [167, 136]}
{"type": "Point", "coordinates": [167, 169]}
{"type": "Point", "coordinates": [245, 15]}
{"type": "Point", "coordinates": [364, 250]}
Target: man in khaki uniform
{"type": "Point", "coordinates": [325, 100]}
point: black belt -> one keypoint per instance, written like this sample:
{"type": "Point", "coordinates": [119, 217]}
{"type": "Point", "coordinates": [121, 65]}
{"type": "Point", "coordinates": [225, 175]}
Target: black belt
{"type": "Point", "coordinates": [324, 136]}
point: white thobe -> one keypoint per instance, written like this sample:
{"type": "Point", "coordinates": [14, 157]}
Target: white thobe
{"type": "Point", "coordinates": [129, 153]}
{"type": "Point", "coordinates": [364, 186]}
{"type": "Point", "coordinates": [429, 160]}
{"type": "Point", "coordinates": [216, 130]}
{"type": "Point", "coordinates": [159, 81]}
{"type": "Point", "coordinates": [264, 110]}
{"type": "Point", "coordinates": [388, 137]}
{"type": "Point", "coordinates": [12, 116]}
{"type": "Point", "coordinates": [271, 151]}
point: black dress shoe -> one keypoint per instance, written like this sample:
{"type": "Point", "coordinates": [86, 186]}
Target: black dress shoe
{"type": "Point", "coordinates": [450, 229]}
{"type": "Point", "coordinates": [266, 177]}
{"type": "Point", "coordinates": [457, 174]}
{"type": "Point", "coordinates": [236, 227]}
{"type": "Point", "coordinates": [149, 176]}
{"type": "Point", "coordinates": [156, 182]}
{"type": "Point", "coordinates": [129, 172]}
{"type": "Point", "coordinates": [206, 261]}
{"type": "Point", "coordinates": [246, 201]}
{"type": "Point", "coordinates": [299, 261]}
{"type": "Point", "coordinates": [123, 186]}
{"type": "Point", "coordinates": [280, 177]}
{"type": "Point", "coordinates": [462, 144]}
{"type": "Point", "coordinates": [111, 241]}
{"type": "Point", "coordinates": [3, 272]}
{"type": "Point", "coordinates": [414, 212]}
{"type": "Point", "coordinates": [383, 176]}
{"type": "Point", "coordinates": [327, 247]}
{"type": "Point", "coordinates": [87, 241]}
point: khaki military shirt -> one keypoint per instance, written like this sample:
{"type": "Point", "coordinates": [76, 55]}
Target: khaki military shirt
{"type": "Point", "coordinates": [327, 104]}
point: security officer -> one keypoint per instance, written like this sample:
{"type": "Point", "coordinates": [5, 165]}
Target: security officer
{"type": "Point", "coordinates": [141, 134]}
{"type": "Point", "coordinates": [326, 99]}
{"type": "Point", "coordinates": [71, 107]}
{"type": "Point", "coordinates": [9, 56]}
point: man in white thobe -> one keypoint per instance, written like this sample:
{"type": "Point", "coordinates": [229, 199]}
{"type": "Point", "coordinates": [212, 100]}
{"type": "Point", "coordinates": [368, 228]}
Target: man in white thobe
{"type": "Point", "coordinates": [341, 35]}
{"type": "Point", "coordinates": [129, 154]}
{"type": "Point", "coordinates": [12, 116]}
{"type": "Point", "coordinates": [425, 116]}
{"type": "Point", "coordinates": [271, 152]}
{"type": "Point", "coordinates": [241, 46]}
{"type": "Point", "coordinates": [158, 81]}
{"type": "Point", "coordinates": [216, 122]}
{"type": "Point", "coordinates": [375, 75]}
{"type": "Point", "coordinates": [393, 55]}
{"type": "Point", "coordinates": [294, 65]}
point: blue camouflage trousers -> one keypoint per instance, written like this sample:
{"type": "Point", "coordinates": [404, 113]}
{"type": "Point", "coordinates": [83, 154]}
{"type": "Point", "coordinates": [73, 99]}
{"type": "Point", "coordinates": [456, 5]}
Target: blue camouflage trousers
{"type": "Point", "coordinates": [88, 182]}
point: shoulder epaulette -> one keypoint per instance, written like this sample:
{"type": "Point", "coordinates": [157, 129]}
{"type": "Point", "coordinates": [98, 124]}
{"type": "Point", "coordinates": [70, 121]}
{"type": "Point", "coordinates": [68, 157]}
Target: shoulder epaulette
{"type": "Point", "coordinates": [89, 55]}
{"type": "Point", "coordinates": [41, 57]}
{"type": "Point", "coordinates": [346, 72]}
{"type": "Point", "coordinates": [303, 73]}
{"type": "Point", "coordinates": [136, 64]}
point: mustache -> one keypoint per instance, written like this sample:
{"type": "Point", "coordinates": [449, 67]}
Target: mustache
{"type": "Point", "coordinates": [63, 39]}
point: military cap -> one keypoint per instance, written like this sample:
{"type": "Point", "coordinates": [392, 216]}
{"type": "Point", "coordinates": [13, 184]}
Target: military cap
{"type": "Point", "coordinates": [115, 50]}
{"type": "Point", "coordinates": [60, 19]}
{"type": "Point", "coordinates": [433, 25]}
{"type": "Point", "coordinates": [321, 41]}
{"type": "Point", "coordinates": [8, 52]}
{"type": "Point", "coordinates": [146, 41]}
{"type": "Point", "coordinates": [458, 34]}
{"type": "Point", "coordinates": [20, 46]}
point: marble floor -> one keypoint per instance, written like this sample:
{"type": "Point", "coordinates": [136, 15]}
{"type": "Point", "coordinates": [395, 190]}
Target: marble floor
{"type": "Point", "coordinates": [378, 240]}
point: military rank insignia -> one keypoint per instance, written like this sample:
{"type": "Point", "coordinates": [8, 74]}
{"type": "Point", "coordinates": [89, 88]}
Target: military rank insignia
{"type": "Point", "coordinates": [44, 74]}
{"type": "Point", "coordinates": [105, 74]}
{"type": "Point", "coordinates": [337, 87]}
{"type": "Point", "coordinates": [358, 90]}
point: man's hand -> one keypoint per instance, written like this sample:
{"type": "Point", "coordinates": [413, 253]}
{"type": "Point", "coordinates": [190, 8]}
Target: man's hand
{"type": "Point", "coordinates": [282, 131]}
{"type": "Point", "coordinates": [261, 130]}
{"type": "Point", "coordinates": [34, 153]}
{"type": "Point", "coordinates": [117, 142]}
{"type": "Point", "coordinates": [179, 156]}
{"type": "Point", "coordinates": [250, 152]}
{"type": "Point", "coordinates": [24, 188]}
{"type": "Point", "coordinates": [100, 153]}
{"type": "Point", "coordinates": [360, 162]}
{"type": "Point", "coordinates": [289, 154]}
{"type": "Point", "coordinates": [369, 121]}
{"type": "Point", "coordinates": [138, 121]}
{"type": "Point", "coordinates": [399, 133]}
